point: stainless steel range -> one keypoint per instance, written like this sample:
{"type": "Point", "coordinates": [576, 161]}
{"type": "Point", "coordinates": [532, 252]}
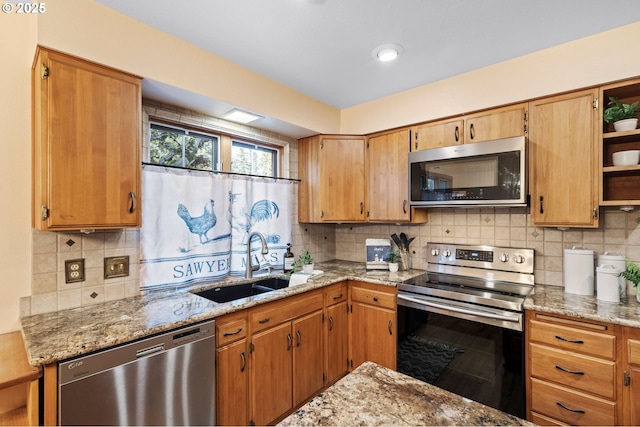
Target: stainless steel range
{"type": "Point", "coordinates": [480, 283]}
{"type": "Point", "coordinates": [469, 302]}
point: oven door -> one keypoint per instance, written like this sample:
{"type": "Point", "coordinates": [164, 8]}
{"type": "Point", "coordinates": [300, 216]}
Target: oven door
{"type": "Point", "coordinates": [476, 360]}
{"type": "Point", "coordinates": [462, 310]}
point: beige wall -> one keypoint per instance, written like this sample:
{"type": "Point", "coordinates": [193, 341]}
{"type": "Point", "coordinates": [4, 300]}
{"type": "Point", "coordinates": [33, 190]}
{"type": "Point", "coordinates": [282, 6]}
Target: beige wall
{"type": "Point", "coordinates": [85, 28]}
{"type": "Point", "coordinates": [586, 62]}
{"type": "Point", "coordinates": [17, 43]}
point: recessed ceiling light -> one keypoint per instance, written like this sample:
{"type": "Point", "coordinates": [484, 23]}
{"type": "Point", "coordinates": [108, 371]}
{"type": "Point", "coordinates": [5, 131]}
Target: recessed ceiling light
{"type": "Point", "coordinates": [387, 52]}
{"type": "Point", "coordinates": [240, 116]}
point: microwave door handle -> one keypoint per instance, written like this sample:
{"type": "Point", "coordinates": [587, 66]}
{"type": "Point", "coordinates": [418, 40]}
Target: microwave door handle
{"type": "Point", "coordinates": [459, 310]}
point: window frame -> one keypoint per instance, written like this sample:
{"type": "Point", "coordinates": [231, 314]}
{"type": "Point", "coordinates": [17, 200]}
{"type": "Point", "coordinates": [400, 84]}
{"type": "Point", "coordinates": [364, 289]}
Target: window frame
{"type": "Point", "coordinates": [258, 147]}
{"type": "Point", "coordinates": [216, 155]}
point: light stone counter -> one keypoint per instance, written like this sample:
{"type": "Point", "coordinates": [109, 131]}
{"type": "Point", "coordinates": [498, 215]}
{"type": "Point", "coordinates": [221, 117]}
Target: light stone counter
{"type": "Point", "coordinates": [553, 299]}
{"type": "Point", "coordinates": [60, 335]}
{"type": "Point", "coordinates": [373, 395]}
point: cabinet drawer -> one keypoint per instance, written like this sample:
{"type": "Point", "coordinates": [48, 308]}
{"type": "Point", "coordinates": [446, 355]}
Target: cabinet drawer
{"type": "Point", "coordinates": [230, 328]}
{"type": "Point", "coordinates": [373, 297]}
{"type": "Point", "coordinates": [573, 339]}
{"type": "Point", "coordinates": [263, 317]}
{"type": "Point", "coordinates": [541, 420]}
{"type": "Point", "coordinates": [633, 351]}
{"type": "Point", "coordinates": [335, 293]}
{"type": "Point", "coordinates": [585, 373]}
{"type": "Point", "coordinates": [579, 408]}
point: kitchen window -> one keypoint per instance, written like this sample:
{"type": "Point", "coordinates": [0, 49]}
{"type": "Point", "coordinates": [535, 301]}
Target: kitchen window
{"type": "Point", "coordinates": [173, 146]}
{"type": "Point", "coordinates": [253, 159]}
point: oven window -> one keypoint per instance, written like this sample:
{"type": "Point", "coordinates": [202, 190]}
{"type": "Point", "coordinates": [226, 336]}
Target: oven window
{"type": "Point", "coordinates": [481, 362]}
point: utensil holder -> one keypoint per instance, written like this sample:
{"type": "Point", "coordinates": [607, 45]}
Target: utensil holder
{"type": "Point", "coordinates": [405, 258]}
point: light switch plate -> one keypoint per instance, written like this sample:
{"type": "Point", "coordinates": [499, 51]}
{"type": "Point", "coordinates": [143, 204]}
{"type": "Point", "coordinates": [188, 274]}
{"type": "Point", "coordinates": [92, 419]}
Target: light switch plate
{"type": "Point", "coordinates": [116, 266]}
{"type": "Point", "coordinates": [74, 270]}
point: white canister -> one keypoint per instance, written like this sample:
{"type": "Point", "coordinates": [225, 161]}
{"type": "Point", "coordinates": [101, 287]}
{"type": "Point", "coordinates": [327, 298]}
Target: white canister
{"type": "Point", "coordinates": [608, 283]}
{"type": "Point", "coordinates": [618, 261]}
{"type": "Point", "coordinates": [579, 269]}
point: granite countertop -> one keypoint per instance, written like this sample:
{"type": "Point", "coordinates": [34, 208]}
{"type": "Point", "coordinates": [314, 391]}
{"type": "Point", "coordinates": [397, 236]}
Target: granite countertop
{"type": "Point", "coordinates": [51, 337]}
{"type": "Point", "coordinates": [554, 300]}
{"type": "Point", "coordinates": [373, 395]}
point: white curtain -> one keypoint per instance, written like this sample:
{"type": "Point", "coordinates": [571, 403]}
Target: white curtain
{"type": "Point", "coordinates": [195, 225]}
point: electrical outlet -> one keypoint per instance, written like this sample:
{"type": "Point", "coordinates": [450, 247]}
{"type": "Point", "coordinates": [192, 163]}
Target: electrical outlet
{"type": "Point", "coordinates": [116, 266]}
{"type": "Point", "coordinates": [74, 270]}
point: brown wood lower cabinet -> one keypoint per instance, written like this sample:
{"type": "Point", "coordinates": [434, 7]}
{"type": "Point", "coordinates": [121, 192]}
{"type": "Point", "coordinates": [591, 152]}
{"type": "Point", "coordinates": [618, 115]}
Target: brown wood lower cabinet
{"type": "Point", "coordinates": [272, 358]}
{"type": "Point", "coordinates": [573, 372]}
{"type": "Point", "coordinates": [372, 324]}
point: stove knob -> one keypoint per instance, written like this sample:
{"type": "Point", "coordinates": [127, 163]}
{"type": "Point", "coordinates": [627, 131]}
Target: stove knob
{"type": "Point", "coordinates": [435, 252]}
{"type": "Point", "coordinates": [447, 253]}
{"type": "Point", "coordinates": [504, 257]}
{"type": "Point", "coordinates": [519, 259]}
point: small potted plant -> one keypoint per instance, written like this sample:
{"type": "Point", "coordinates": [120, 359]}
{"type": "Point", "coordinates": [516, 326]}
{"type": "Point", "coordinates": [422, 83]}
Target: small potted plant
{"type": "Point", "coordinates": [393, 259]}
{"type": "Point", "coordinates": [621, 115]}
{"type": "Point", "coordinates": [304, 263]}
{"type": "Point", "coordinates": [632, 274]}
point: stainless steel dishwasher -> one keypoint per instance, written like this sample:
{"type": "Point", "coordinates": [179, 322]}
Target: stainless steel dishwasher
{"type": "Point", "coordinates": [167, 379]}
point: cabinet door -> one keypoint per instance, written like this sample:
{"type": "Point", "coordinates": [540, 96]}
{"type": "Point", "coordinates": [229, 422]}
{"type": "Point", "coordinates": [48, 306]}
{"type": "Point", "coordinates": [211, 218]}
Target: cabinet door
{"type": "Point", "coordinates": [563, 160]}
{"type": "Point", "coordinates": [373, 335]}
{"type": "Point", "coordinates": [342, 184]}
{"type": "Point", "coordinates": [87, 144]}
{"type": "Point", "coordinates": [387, 170]}
{"type": "Point", "coordinates": [438, 134]}
{"type": "Point", "coordinates": [307, 357]}
{"type": "Point", "coordinates": [337, 341]}
{"type": "Point", "coordinates": [631, 368]}
{"type": "Point", "coordinates": [500, 123]}
{"type": "Point", "coordinates": [232, 385]}
{"type": "Point", "coordinates": [271, 374]}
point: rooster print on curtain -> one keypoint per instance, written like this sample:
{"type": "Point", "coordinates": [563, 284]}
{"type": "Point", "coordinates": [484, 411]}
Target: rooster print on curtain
{"type": "Point", "coordinates": [196, 225]}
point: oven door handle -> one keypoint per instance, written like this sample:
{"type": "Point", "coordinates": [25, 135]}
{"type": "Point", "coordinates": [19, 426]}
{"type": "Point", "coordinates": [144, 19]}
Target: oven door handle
{"type": "Point", "coordinates": [459, 310]}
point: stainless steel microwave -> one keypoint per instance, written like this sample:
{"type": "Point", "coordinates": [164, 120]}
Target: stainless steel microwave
{"type": "Point", "coordinates": [491, 173]}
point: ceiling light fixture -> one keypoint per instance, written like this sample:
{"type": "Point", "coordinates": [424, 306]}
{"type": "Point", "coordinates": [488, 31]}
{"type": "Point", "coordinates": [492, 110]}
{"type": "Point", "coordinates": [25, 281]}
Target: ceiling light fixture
{"type": "Point", "coordinates": [387, 52]}
{"type": "Point", "coordinates": [240, 116]}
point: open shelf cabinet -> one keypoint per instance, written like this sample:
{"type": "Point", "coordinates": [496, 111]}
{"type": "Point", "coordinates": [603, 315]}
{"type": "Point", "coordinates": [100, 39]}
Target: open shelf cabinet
{"type": "Point", "coordinates": [620, 184]}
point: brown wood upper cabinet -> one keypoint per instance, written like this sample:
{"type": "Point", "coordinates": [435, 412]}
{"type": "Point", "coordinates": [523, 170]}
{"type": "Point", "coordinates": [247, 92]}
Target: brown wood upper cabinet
{"type": "Point", "coordinates": [498, 123]}
{"type": "Point", "coordinates": [332, 170]}
{"type": "Point", "coordinates": [86, 144]}
{"type": "Point", "coordinates": [563, 144]}
{"type": "Point", "coordinates": [387, 177]}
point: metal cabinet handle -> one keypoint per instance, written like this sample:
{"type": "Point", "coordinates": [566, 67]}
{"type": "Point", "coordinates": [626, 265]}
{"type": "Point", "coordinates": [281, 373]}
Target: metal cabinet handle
{"type": "Point", "coordinates": [243, 361]}
{"type": "Point", "coordinates": [361, 208]}
{"type": "Point", "coordinates": [263, 321]}
{"type": "Point", "coordinates": [227, 334]}
{"type": "Point", "coordinates": [330, 323]}
{"type": "Point", "coordinates": [290, 342]}
{"type": "Point", "coordinates": [390, 324]}
{"type": "Point", "coordinates": [457, 134]}
{"type": "Point", "coordinates": [375, 299]}
{"type": "Point", "coordinates": [132, 196]}
{"type": "Point", "coordinates": [541, 205]}
{"type": "Point", "coordinates": [563, 406]}
{"type": "Point", "coordinates": [404, 206]}
{"type": "Point", "coordinates": [558, 337]}
{"type": "Point", "coordinates": [569, 371]}
{"type": "Point", "coordinates": [472, 131]}
{"type": "Point", "coordinates": [299, 336]}
{"type": "Point", "coordinates": [337, 296]}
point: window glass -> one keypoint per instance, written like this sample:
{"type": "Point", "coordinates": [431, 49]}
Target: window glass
{"type": "Point", "coordinates": [180, 147]}
{"type": "Point", "coordinates": [253, 159]}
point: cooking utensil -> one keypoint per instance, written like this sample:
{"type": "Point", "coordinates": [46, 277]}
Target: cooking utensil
{"type": "Point", "coordinates": [403, 239]}
{"type": "Point", "coordinates": [396, 240]}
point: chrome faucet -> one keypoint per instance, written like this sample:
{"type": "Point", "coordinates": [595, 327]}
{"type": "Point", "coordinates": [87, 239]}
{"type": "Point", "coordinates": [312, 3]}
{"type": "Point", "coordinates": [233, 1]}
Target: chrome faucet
{"type": "Point", "coordinates": [265, 250]}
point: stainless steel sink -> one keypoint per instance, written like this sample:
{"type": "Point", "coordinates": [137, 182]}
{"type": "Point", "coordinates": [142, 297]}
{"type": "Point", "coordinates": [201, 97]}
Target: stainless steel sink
{"type": "Point", "coordinates": [243, 290]}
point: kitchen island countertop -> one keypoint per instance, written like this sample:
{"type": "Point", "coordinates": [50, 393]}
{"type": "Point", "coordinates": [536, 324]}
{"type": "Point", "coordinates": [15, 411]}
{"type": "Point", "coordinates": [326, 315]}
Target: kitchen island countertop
{"type": "Point", "coordinates": [373, 395]}
{"type": "Point", "coordinates": [52, 337]}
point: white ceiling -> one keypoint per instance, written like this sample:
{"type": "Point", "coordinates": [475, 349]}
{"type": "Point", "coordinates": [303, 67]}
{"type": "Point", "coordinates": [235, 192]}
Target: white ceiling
{"type": "Point", "coordinates": [323, 47]}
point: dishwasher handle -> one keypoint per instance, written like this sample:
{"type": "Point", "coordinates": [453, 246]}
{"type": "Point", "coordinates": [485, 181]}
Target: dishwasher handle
{"type": "Point", "coordinates": [149, 351]}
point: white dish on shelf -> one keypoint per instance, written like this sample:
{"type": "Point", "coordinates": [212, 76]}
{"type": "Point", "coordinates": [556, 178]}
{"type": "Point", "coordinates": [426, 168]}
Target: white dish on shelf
{"type": "Point", "coordinates": [626, 158]}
